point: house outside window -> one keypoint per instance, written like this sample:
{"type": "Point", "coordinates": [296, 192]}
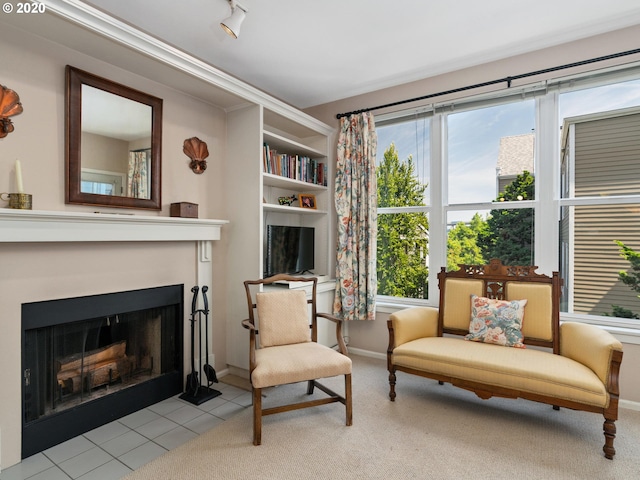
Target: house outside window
{"type": "Point", "coordinates": [600, 202]}
{"type": "Point", "coordinates": [491, 183]}
{"type": "Point", "coordinates": [548, 175]}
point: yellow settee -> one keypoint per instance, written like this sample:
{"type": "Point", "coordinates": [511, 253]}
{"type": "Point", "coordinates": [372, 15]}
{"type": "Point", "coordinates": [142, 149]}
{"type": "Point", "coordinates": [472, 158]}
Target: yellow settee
{"type": "Point", "coordinates": [572, 365]}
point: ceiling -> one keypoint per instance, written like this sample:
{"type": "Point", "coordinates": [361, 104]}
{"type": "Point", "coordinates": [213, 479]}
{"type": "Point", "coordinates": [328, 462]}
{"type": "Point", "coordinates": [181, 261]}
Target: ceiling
{"type": "Point", "coordinates": [313, 52]}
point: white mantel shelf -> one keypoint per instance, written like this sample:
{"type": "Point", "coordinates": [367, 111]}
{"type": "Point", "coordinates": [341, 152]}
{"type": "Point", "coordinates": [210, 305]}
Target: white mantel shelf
{"type": "Point", "coordinates": [49, 226]}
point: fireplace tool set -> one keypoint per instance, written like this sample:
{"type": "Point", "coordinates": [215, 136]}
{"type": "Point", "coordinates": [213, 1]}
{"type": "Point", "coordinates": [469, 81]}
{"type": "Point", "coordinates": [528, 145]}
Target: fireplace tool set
{"type": "Point", "coordinates": [195, 392]}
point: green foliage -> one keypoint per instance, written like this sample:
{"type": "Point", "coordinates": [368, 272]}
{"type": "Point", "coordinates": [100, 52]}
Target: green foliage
{"type": "Point", "coordinates": [621, 312]}
{"type": "Point", "coordinates": [462, 243]}
{"type": "Point", "coordinates": [402, 237]}
{"type": "Point", "coordinates": [509, 233]}
{"type": "Point", "coordinates": [397, 184]}
{"type": "Point", "coordinates": [632, 280]}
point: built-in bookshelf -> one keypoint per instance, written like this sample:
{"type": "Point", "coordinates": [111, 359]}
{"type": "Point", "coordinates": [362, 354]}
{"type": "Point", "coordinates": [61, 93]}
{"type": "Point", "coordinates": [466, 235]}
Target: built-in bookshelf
{"type": "Point", "coordinates": [276, 186]}
{"type": "Point", "coordinates": [285, 157]}
{"type": "Point", "coordinates": [275, 156]}
{"type": "Point", "coordinates": [293, 166]}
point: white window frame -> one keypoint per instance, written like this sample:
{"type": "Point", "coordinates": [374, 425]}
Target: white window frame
{"type": "Point", "coordinates": [546, 207]}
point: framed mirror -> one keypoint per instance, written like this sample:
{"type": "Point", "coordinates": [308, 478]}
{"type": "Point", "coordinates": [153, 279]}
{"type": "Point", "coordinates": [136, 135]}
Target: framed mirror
{"type": "Point", "coordinates": [113, 143]}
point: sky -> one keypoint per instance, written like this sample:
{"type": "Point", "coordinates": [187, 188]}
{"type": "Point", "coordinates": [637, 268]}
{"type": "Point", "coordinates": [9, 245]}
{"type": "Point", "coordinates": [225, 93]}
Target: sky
{"type": "Point", "coordinates": [474, 136]}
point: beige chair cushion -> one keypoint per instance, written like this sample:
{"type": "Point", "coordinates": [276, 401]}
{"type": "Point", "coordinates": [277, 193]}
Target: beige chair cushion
{"type": "Point", "coordinates": [283, 317]}
{"type": "Point", "coordinates": [530, 370]}
{"type": "Point", "coordinates": [589, 345]}
{"type": "Point", "coordinates": [457, 301]}
{"type": "Point", "coordinates": [297, 363]}
{"type": "Point", "coordinates": [537, 316]}
{"type": "Point", "coordinates": [412, 323]}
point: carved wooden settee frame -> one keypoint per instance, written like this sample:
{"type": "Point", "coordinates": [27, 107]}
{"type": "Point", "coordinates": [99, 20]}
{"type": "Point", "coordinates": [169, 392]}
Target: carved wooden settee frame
{"type": "Point", "coordinates": [411, 326]}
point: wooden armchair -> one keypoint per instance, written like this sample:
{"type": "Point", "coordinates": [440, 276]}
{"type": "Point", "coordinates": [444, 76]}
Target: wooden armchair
{"type": "Point", "coordinates": [283, 347]}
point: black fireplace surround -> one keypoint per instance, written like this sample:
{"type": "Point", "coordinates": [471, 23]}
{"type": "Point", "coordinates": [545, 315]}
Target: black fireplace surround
{"type": "Point", "coordinates": [87, 361]}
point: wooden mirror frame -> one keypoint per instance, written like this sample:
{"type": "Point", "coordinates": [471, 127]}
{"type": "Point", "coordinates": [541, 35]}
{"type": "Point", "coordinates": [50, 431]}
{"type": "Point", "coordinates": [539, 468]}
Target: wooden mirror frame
{"type": "Point", "coordinates": [75, 78]}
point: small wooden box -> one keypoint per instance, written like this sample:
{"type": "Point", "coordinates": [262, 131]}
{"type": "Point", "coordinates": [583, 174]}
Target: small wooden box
{"type": "Point", "coordinates": [184, 209]}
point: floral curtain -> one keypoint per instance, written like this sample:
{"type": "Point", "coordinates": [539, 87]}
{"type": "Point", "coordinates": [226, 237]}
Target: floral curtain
{"type": "Point", "coordinates": [137, 175]}
{"type": "Point", "coordinates": [356, 204]}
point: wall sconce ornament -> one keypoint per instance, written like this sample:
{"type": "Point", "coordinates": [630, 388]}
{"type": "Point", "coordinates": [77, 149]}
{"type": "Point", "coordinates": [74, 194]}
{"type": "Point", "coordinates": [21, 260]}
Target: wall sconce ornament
{"type": "Point", "coordinates": [9, 105]}
{"type": "Point", "coordinates": [197, 151]}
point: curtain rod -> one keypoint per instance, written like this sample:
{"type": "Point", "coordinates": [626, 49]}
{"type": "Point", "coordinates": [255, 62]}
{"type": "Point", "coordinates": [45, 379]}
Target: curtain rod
{"type": "Point", "coordinates": [508, 81]}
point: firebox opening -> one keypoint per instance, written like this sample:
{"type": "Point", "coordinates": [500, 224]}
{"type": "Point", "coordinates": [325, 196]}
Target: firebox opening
{"type": "Point", "coordinates": [90, 360]}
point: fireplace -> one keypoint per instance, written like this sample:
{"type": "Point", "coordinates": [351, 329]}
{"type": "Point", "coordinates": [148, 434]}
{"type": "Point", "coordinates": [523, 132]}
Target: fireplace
{"type": "Point", "coordinates": [87, 361]}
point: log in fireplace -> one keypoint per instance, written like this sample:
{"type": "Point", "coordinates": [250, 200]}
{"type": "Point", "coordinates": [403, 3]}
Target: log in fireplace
{"type": "Point", "coordinates": [87, 361]}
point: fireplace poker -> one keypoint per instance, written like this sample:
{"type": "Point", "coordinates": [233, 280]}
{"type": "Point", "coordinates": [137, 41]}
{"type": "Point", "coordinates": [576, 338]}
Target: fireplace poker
{"type": "Point", "coordinates": [192, 379]}
{"type": "Point", "coordinates": [209, 371]}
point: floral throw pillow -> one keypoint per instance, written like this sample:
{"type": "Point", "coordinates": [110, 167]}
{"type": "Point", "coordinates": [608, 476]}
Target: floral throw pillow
{"type": "Point", "coordinates": [496, 321]}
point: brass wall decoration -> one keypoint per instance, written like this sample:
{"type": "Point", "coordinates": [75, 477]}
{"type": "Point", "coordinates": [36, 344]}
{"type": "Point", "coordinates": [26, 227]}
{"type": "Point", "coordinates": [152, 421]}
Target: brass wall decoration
{"type": "Point", "coordinates": [197, 151]}
{"type": "Point", "coordinates": [9, 105]}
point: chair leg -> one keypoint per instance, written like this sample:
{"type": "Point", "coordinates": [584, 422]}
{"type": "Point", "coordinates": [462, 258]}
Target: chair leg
{"type": "Point", "coordinates": [392, 384]}
{"type": "Point", "coordinates": [257, 416]}
{"type": "Point", "coordinates": [347, 397]}
{"type": "Point", "coordinates": [310, 387]}
{"type": "Point", "coordinates": [609, 435]}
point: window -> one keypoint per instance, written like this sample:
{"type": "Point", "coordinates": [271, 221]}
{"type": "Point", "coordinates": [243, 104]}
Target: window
{"type": "Point", "coordinates": [487, 149]}
{"type": "Point", "coordinates": [403, 213]}
{"type": "Point", "coordinates": [491, 161]}
{"type": "Point", "coordinates": [102, 182]}
{"type": "Point", "coordinates": [545, 176]}
{"type": "Point", "coordinates": [600, 198]}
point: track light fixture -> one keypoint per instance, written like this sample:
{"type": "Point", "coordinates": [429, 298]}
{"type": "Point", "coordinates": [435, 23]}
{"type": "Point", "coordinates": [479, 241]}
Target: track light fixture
{"type": "Point", "coordinates": [232, 24]}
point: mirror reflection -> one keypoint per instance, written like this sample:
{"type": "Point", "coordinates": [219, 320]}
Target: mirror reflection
{"type": "Point", "coordinates": [115, 145]}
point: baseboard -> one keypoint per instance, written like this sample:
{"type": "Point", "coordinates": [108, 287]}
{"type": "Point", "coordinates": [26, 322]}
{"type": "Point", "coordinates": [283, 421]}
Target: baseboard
{"type": "Point", "coordinates": [367, 353]}
{"type": "Point", "coordinates": [628, 404]}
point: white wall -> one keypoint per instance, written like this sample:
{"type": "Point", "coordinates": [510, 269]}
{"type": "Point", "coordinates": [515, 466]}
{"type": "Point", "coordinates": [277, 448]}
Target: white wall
{"type": "Point", "coordinates": [34, 68]}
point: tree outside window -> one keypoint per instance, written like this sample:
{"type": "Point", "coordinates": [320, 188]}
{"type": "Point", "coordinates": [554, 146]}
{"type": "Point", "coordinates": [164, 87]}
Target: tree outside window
{"type": "Point", "coordinates": [403, 238]}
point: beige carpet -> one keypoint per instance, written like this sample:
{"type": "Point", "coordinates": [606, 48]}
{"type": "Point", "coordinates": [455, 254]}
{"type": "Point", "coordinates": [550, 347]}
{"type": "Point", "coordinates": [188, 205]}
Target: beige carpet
{"type": "Point", "coordinates": [431, 431]}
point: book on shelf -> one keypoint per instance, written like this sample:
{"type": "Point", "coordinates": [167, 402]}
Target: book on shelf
{"type": "Point", "coordinates": [296, 167]}
{"type": "Point", "coordinates": [265, 158]}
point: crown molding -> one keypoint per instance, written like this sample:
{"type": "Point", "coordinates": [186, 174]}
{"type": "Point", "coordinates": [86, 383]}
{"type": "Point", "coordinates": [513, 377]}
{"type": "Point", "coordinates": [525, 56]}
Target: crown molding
{"type": "Point", "coordinates": [117, 31]}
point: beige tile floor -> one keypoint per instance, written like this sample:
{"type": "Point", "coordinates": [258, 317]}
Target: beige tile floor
{"type": "Point", "coordinates": [117, 448]}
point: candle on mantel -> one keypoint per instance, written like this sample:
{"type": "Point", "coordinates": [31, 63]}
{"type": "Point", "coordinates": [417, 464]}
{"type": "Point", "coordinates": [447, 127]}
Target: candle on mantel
{"type": "Point", "coordinates": [19, 185]}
